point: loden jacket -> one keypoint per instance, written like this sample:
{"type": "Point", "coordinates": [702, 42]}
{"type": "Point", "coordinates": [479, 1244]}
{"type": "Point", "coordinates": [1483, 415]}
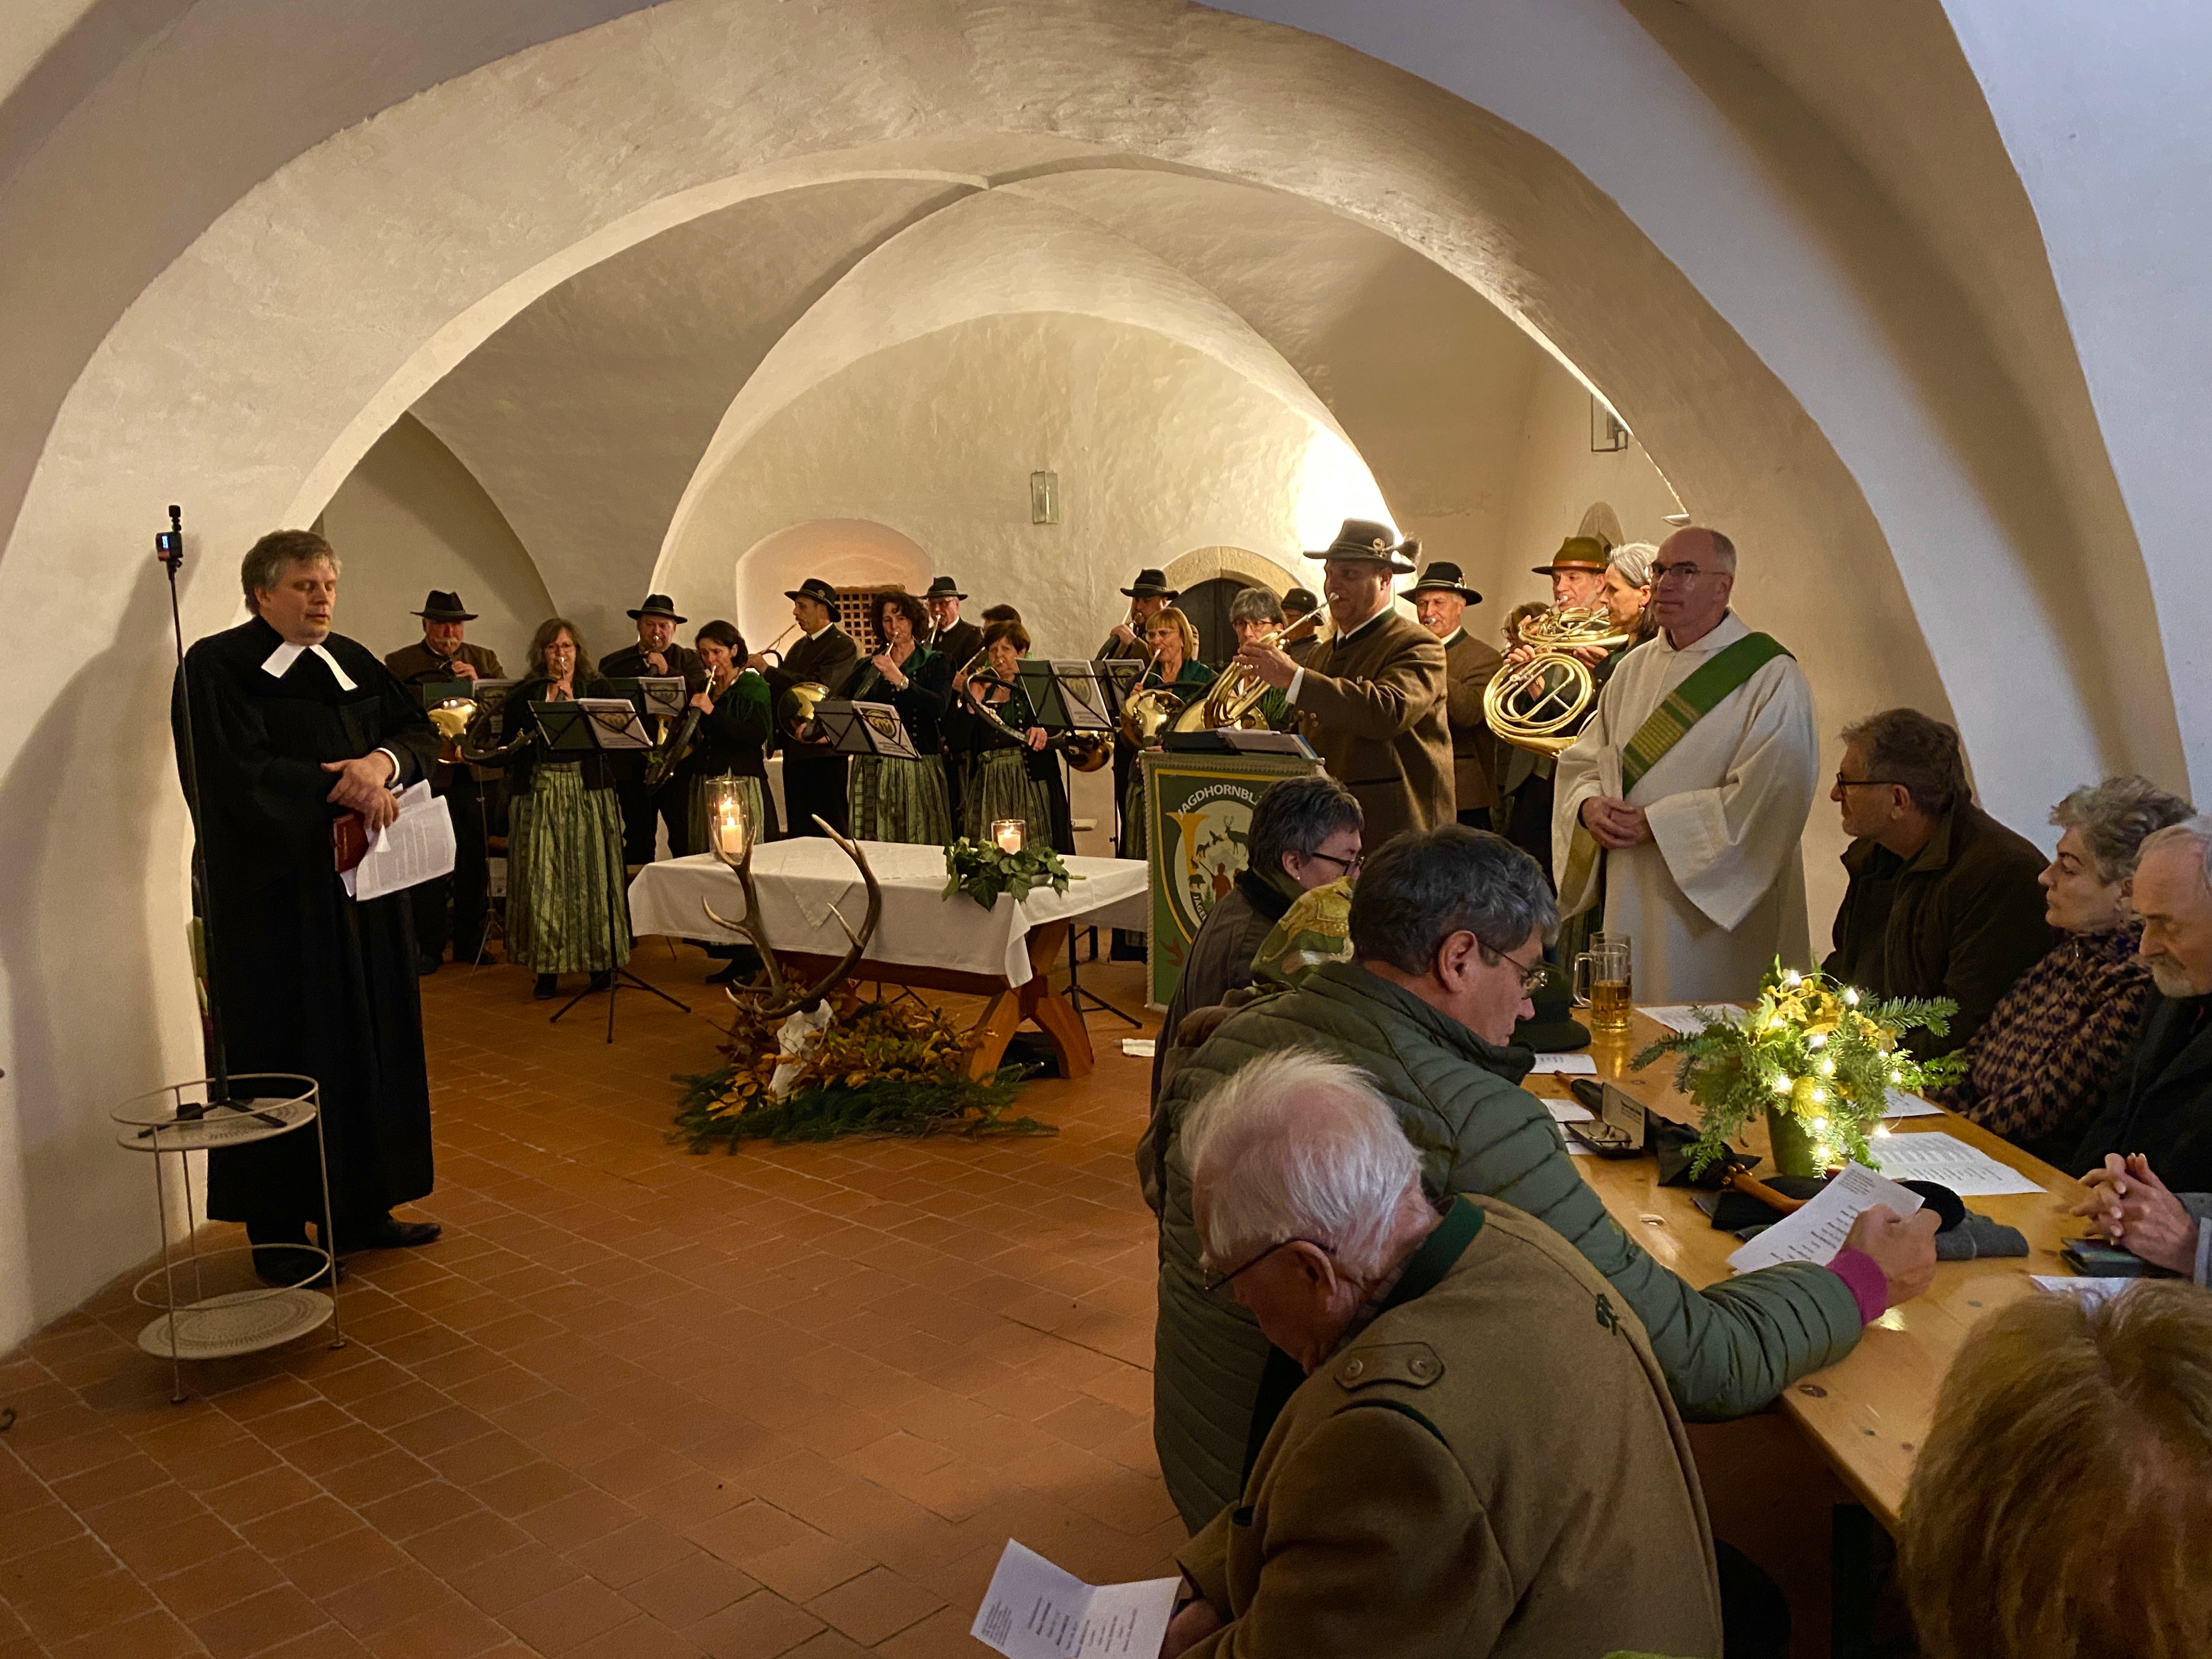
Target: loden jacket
{"type": "Point", "coordinates": [1372, 706]}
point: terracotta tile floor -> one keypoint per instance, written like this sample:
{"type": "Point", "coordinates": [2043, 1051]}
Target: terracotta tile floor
{"type": "Point", "coordinates": [634, 1402]}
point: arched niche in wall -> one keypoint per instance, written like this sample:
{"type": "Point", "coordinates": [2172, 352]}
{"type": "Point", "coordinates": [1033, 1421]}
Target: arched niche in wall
{"type": "Point", "coordinates": [1203, 564]}
{"type": "Point", "coordinates": [843, 552]}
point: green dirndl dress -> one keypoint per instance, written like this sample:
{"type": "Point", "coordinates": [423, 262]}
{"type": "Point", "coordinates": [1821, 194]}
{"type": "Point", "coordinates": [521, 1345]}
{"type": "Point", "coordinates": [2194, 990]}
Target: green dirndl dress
{"type": "Point", "coordinates": [1001, 787]}
{"type": "Point", "coordinates": [568, 905]}
{"type": "Point", "coordinates": [887, 799]}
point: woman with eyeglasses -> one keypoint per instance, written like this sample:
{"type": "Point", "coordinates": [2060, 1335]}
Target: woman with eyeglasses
{"type": "Point", "coordinates": [567, 908]}
{"type": "Point", "coordinates": [1304, 833]}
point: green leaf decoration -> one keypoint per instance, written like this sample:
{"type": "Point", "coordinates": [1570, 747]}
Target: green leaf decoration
{"type": "Point", "coordinates": [983, 871]}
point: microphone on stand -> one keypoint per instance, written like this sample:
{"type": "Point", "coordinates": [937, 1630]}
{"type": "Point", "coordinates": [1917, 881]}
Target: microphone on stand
{"type": "Point", "coordinates": [169, 551]}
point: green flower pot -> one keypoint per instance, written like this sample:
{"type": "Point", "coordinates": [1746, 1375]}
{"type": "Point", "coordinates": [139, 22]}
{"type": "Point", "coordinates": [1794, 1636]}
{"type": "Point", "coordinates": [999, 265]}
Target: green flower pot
{"type": "Point", "coordinates": [1793, 1145]}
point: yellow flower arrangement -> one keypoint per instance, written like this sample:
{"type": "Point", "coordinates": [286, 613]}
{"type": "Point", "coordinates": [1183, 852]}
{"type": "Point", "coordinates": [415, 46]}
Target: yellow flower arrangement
{"type": "Point", "coordinates": [1817, 1058]}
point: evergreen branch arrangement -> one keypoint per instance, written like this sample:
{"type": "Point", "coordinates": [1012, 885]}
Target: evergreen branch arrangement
{"type": "Point", "coordinates": [882, 1069]}
{"type": "Point", "coordinates": [983, 871]}
{"type": "Point", "coordinates": [1816, 1057]}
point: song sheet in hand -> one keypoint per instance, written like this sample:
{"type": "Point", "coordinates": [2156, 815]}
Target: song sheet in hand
{"type": "Point", "coordinates": [1816, 1232]}
{"type": "Point", "coordinates": [416, 847]}
{"type": "Point", "coordinates": [1034, 1610]}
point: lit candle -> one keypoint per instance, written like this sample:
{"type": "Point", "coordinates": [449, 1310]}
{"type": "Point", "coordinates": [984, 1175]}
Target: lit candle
{"type": "Point", "coordinates": [1007, 832]}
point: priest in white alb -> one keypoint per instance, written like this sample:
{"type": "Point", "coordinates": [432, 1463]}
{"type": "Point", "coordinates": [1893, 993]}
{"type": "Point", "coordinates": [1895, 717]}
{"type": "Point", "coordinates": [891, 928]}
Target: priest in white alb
{"type": "Point", "coordinates": [1679, 810]}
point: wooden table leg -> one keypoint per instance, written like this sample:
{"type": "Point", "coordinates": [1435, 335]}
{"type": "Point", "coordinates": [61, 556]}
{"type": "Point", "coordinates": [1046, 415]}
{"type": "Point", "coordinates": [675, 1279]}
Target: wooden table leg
{"type": "Point", "coordinates": [1054, 1016]}
{"type": "Point", "coordinates": [993, 1031]}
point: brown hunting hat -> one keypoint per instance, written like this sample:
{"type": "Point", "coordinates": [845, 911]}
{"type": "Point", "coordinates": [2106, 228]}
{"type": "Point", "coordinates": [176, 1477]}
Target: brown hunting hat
{"type": "Point", "coordinates": [1577, 553]}
{"type": "Point", "coordinates": [1363, 539]}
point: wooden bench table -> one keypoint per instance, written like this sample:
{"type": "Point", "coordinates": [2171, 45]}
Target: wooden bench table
{"type": "Point", "coordinates": [1868, 1414]}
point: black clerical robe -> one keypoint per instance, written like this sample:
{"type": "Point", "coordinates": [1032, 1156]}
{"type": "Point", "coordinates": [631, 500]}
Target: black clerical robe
{"type": "Point", "coordinates": [306, 979]}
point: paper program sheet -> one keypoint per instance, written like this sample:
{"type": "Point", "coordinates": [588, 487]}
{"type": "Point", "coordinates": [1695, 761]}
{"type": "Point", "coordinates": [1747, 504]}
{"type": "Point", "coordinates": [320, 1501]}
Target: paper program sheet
{"type": "Point", "coordinates": [1816, 1232]}
{"type": "Point", "coordinates": [416, 847]}
{"type": "Point", "coordinates": [1033, 1610]}
{"type": "Point", "coordinates": [1678, 1017]}
{"type": "Point", "coordinates": [2090, 1290]}
{"type": "Point", "coordinates": [1949, 1162]}
{"type": "Point", "coordinates": [1901, 1105]}
{"type": "Point", "coordinates": [1564, 1065]}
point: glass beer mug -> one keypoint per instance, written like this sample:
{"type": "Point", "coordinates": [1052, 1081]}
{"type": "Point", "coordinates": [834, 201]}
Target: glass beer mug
{"type": "Point", "coordinates": [1603, 982]}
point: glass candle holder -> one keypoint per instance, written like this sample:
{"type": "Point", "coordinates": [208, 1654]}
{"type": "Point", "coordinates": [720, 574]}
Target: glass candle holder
{"type": "Point", "coordinates": [729, 821]}
{"type": "Point", "coordinates": [1007, 833]}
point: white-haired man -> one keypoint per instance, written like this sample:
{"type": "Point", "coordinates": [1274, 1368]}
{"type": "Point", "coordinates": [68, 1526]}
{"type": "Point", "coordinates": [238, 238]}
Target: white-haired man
{"type": "Point", "coordinates": [1424, 1491]}
{"type": "Point", "coordinates": [1677, 811]}
{"type": "Point", "coordinates": [2159, 1111]}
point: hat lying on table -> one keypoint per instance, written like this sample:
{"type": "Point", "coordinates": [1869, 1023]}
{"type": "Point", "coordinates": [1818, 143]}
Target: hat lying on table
{"type": "Point", "coordinates": [943, 587]}
{"type": "Point", "coordinates": [1444, 578]}
{"type": "Point", "coordinates": [1577, 553]}
{"type": "Point", "coordinates": [1552, 1030]}
{"type": "Point", "coordinates": [815, 589]}
{"type": "Point", "coordinates": [657, 604]}
{"type": "Point", "coordinates": [1363, 539]}
{"type": "Point", "coordinates": [441, 606]}
{"type": "Point", "coordinates": [1151, 585]}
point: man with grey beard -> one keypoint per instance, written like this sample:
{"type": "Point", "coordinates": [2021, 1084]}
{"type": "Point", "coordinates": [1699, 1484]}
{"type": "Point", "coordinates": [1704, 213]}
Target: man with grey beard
{"type": "Point", "coordinates": [2160, 1106]}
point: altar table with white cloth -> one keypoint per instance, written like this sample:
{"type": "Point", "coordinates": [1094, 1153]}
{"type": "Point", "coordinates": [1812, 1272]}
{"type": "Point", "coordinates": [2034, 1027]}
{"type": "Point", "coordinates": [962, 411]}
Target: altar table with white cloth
{"type": "Point", "coordinates": [922, 939]}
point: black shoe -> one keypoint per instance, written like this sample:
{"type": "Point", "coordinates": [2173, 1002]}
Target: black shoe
{"type": "Point", "coordinates": [388, 1232]}
{"type": "Point", "coordinates": [548, 987]}
{"type": "Point", "coordinates": [291, 1265]}
{"type": "Point", "coordinates": [425, 964]}
{"type": "Point", "coordinates": [603, 979]}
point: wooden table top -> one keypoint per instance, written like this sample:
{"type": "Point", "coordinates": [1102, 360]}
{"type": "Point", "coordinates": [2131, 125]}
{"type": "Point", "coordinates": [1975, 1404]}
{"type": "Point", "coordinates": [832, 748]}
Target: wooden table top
{"type": "Point", "coordinates": [1869, 1413]}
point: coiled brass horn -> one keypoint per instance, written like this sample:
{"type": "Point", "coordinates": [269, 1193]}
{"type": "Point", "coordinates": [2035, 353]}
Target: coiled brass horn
{"type": "Point", "coordinates": [1538, 705]}
{"type": "Point", "coordinates": [1234, 698]}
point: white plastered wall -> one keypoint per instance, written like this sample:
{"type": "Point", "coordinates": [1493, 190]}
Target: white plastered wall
{"type": "Point", "coordinates": [1157, 445]}
{"type": "Point", "coordinates": [252, 373]}
{"type": "Point", "coordinates": [411, 518]}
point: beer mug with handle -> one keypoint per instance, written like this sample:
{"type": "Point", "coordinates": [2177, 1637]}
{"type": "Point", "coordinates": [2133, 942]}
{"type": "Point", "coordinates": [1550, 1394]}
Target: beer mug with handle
{"type": "Point", "coordinates": [1603, 981]}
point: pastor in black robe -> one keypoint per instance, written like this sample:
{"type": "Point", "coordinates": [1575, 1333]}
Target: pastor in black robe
{"type": "Point", "coordinates": [306, 979]}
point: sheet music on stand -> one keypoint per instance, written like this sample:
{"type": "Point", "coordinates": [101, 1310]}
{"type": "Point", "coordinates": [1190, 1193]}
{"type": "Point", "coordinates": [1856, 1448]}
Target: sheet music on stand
{"type": "Point", "coordinates": [865, 728]}
{"type": "Point", "coordinates": [655, 697]}
{"type": "Point", "coordinates": [1069, 694]}
{"type": "Point", "coordinates": [609, 725]}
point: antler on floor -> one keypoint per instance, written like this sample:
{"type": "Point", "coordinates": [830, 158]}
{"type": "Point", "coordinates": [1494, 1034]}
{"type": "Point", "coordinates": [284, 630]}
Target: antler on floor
{"type": "Point", "coordinates": [782, 1000]}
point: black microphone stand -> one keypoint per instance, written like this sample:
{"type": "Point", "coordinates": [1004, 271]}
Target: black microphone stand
{"type": "Point", "coordinates": [169, 550]}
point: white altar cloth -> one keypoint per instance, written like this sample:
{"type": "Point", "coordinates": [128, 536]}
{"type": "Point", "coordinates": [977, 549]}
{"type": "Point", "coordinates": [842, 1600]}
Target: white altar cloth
{"type": "Point", "coordinates": [800, 879]}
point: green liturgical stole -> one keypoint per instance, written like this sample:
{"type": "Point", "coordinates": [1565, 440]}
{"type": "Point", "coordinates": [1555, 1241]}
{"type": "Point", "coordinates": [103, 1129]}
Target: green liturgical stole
{"type": "Point", "coordinates": [1692, 700]}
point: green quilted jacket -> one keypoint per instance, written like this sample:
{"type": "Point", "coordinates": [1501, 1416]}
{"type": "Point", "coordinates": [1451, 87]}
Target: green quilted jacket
{"type": "Point", "coordinates": [1726, 1350]}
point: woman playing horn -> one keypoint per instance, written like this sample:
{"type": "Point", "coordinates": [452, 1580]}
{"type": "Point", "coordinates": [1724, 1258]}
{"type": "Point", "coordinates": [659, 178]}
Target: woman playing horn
{"type": "Point", "coordinates": [994, 735]}
{"type": "Point", "coordinates": [888, 798]}
{"type": "Point", "coordinates": [1175, 669]}
{"type": "Point", "coordinates": [737, 720]}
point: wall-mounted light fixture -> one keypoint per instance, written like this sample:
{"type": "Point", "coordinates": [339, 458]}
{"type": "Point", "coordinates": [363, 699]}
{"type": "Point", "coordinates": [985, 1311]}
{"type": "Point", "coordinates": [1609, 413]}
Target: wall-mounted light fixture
{"type": "Point", "coordinates": [1044, 498]}
{"type": "Point", "coordinates": [1607, 435]}
{"type": "Point", "coordinates": [1678, 519]}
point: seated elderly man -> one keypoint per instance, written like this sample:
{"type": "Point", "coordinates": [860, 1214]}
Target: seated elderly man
{"type": "Point", "coordinates": [2038, 1070]}
{"type": "Point", "coordinates": [2160, 1105]}
{"type": "Point", "coordinates": [1448, 928]}
{"type": "Point", "coordinates": [1428, 1488]}
{"type": "Point", "coordinates": [2061, 1500]}
{"type": "Point", "coordinates": [1943, 900]}
{"type": "Point", "coordinates": [1304, 832]}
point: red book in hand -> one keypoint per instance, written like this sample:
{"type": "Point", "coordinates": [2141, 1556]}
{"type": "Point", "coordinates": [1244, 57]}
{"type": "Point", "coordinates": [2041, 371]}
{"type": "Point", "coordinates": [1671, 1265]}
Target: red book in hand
{"type": "Point", "coordinates": [348, 840]}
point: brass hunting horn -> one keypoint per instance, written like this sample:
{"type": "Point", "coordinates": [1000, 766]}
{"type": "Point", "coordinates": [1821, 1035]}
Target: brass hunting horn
{"type": "Point", "coordinates": [1538, 705]}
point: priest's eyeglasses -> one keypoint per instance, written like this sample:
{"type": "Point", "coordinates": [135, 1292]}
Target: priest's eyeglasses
{"type": "Point", "coordinates": [1842, 782]}
{"type": "Point", "coordinates": [1215, 1281]}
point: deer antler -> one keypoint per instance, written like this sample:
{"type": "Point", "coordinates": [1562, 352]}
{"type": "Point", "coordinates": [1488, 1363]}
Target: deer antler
{"type": "Point", "coordinates": [781, 1000]}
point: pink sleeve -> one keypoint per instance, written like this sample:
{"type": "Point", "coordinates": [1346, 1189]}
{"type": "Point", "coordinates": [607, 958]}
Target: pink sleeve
{"type": "Point", "coordinates": [1870, 1285]}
